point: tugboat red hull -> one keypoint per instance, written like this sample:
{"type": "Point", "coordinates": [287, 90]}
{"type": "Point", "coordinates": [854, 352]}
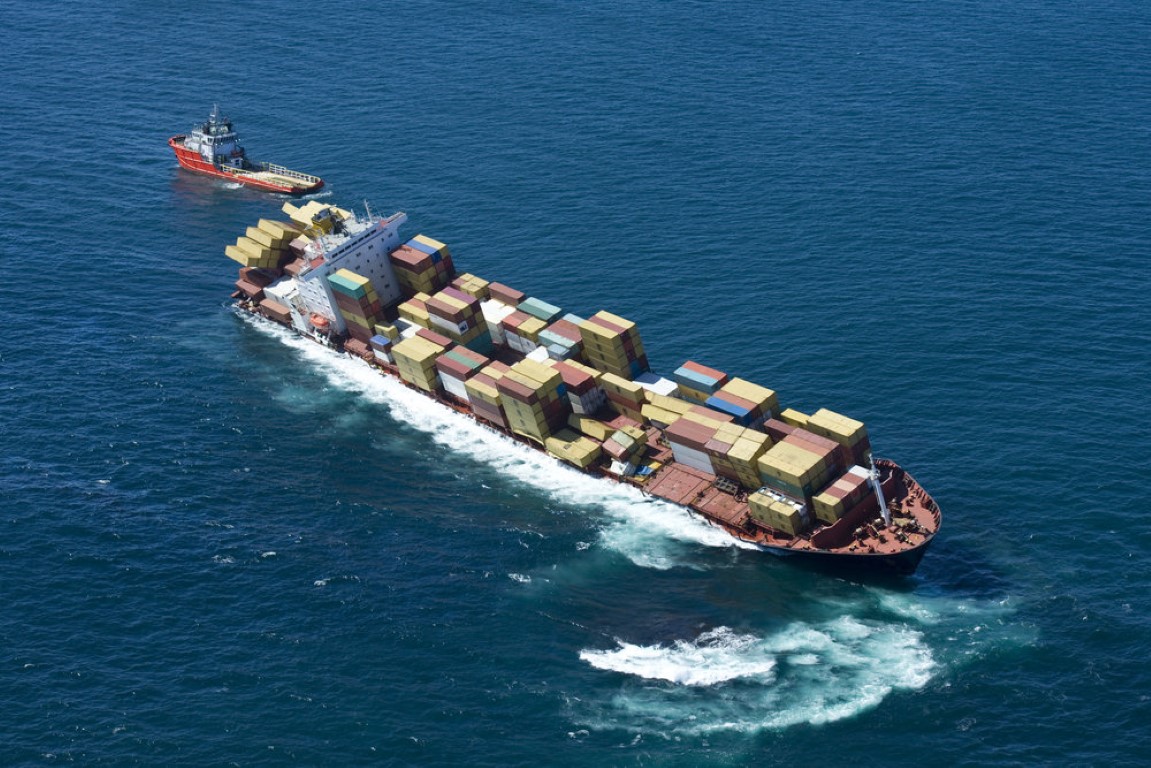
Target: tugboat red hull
{"type": "Point", "coordinates": [269, 178]}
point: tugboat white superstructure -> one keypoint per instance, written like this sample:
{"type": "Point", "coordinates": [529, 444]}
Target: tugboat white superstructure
{"type": "Point", "coordinates": [213, 148]}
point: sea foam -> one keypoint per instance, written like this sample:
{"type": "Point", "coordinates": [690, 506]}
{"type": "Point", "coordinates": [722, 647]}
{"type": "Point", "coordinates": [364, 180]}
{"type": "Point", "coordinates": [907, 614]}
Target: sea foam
{"type": "Point", "coordinates": [728, 681]}
{"type": "Point", "coordinates": [649, 532]}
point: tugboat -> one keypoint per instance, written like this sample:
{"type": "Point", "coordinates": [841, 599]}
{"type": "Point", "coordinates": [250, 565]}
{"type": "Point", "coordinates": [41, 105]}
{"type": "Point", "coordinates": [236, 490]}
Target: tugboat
{"type": "Point", "coordinates": [213, 148]}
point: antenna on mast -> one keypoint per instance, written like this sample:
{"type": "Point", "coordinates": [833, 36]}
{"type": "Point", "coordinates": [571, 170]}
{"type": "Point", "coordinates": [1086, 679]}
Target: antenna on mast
{"type": "Point", "coordinates": [367, 209]}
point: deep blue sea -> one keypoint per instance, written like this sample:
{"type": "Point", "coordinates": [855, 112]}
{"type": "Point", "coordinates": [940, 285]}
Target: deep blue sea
{"type": "Point", "coordinates": [222, 546]}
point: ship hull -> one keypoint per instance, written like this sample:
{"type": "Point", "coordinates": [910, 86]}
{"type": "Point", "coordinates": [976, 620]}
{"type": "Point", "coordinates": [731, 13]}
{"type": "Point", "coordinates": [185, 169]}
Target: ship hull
{"type": "Point", "coordinates": [298, 184]}
{"type": "Point", "coordinates": [840, 547]}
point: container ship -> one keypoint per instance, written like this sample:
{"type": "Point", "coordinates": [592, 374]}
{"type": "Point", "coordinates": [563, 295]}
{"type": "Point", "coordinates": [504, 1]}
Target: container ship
{"type": "Point", "coordinates": [580, 389]}
{"type": "Point", "coordinates": [213, 148]}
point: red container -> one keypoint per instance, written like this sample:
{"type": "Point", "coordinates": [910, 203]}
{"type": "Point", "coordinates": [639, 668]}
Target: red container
{"type": "Point", "coordinates": [435, 338]}
{"type": "Point", "coordinates": [719, 376]}
{"type": "Point", "coordinates": [689, 433]}
{"type": "Point", "coordinates": [509, 296]}
{"type": "Point", "coordinates": [777, 429]}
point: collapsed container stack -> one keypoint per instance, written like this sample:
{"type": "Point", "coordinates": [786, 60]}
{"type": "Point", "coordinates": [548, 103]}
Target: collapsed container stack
{"type": "Point", "coordinates": [458, 315]}
{"type": "Point", "coordinates": [456, 366]}
{"type": "Point", "coordinates": [698, 382]}
{"type": "Point", "coordinates": [534, 399]}
{"type": "Point", "coordinates": [623, 395]}
{"type": "Point", "coordinates": [264, 246]}
{"type": "Point", "coordinates": [613, 345]}
{"type": "Point", "coordinates": [573, 448]}
{"type": "Point", "coordinates": [484, 394]}
{"type": "Point", "coordinates": [584, 392]}
{"type": "Point", "coordinates": [416, 360]}
{"type": "Point", "coordinates": [664, 410]}
{"type": "Point", "coordinates": [381, 347]}
{"type": "Point", "coordinates": [626, 444]}
{"type": "Point", "coordinates": [423, 265]}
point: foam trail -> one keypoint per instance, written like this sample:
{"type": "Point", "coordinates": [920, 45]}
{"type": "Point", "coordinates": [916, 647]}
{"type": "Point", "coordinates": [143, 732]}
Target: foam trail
{"type": "Point", "coordinates": [645, 530]}
{"type": "Point", "coordinates": [714, 657]}
{"type": "Point", "coordinates": [724, 681]}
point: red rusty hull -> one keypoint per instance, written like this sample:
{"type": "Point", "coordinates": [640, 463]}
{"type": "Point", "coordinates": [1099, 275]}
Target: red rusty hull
{"type": "Point", "coordinates": [859, 541]}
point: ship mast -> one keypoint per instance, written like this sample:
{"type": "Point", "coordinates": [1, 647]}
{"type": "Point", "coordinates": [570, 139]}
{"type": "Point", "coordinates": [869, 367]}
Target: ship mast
{"type": "Point", "coordinates": [873, 476]}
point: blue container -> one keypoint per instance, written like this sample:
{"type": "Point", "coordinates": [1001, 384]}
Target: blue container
{"type": "Point", "coordinates": [435, 253]}
{"type": "Point", "coordinates": [693, 380]}
{"type": "Point", "coordinates": [382, 343]}
{"type": "Point", "coordinates": [743, 416]}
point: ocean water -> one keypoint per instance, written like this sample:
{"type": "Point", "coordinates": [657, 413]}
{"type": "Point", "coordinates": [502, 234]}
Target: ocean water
{"type": "Point", "coordinates": [220, 545]}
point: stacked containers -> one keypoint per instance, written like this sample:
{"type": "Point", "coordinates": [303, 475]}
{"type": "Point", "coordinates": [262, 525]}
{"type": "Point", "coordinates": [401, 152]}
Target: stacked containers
{"type": "Point", "coordinates": [778, 514]}
{"type": "Point", "coordinates": [720, 445]}
{"type": "Point", "coordinates": [794, 418]}
{"type": "Point", "coordinates": [583, 387]}
{"type": "Point", "coordinates": [839, 497]}
{"type": "Point", "coordinates": [505, 295]}
{"type": "Point", "coordinates": [562, 338]}
{"type": "Point", "coordinates": [521, 331]}
{"type": "Point", "coordinates": [575, 449]}
{"type": "Point", "coordinates": [484, 395]}
{"type": "Point", "coordinates": [415, 310]}
{"type": "Point", "coordinates": [800, 464]}
{"type": "Point", "coordinates": [663, 410]}
{"type": "Point", "coordinates": [357, 303]}
{"type": "Point", "coordinates": [849, 433]}
{"type": "Point", "coordinates": [459, 315]}
{"type": "Point", "coordinates": [688, 440]}
{"type": "Point", "coordinates": [423, 265]}
{"type": "Point", "coordinates": [265, 246]}
{"type": "Point", "coordinates": [612, 345]}
{"type": "Point", "coordinates": [743, 457]}
{"type": "Point", "coordinates": [416, 360]}
{"type": "Point", "coordinates": [473, 286]}
{"type": "Point", "coordinates": [534, 399]}
{"type": "Point", "coordinates": [540, 308]}
{"type": "Point", "coordinates": [749, 404]}
{"type": "Point", "coordinates": [456, 366]}
{"type": "Point", "coordinates": [698, 382]}
{"type": "Point", "coordinates": [624, 396]}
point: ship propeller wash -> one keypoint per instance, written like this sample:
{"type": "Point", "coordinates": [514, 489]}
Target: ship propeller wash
{"type": "Point", "coordinates": [213, 148]}
{"type": "Point", "coordinates": [580, 389]}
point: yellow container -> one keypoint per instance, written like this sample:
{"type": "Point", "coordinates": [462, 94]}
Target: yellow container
{"type": "Point", "coordinates": [794, 418]}
{"type": "Point", "coordinates": [593, 428]}
{"type": "Point", "coordinates": [843, 430]}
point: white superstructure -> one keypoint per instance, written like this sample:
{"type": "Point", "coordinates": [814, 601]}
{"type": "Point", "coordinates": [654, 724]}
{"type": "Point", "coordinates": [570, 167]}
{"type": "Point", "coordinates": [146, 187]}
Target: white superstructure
{"type": "Point", "coordinates": [337, 239]}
